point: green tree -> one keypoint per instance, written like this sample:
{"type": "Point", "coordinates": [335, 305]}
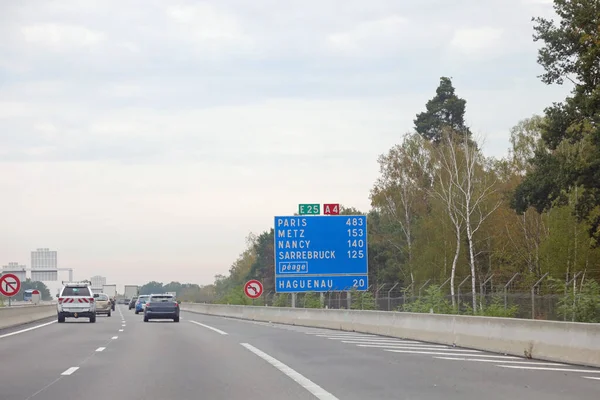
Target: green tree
{"type": "Point", "coordinates": [152, 287]}
{"type": "Point", "coordinates": [400, 193]}
{"type": "Point", "coordinates": [444, 110]}
{"type": "Point", "coordinates": [571, 130]}
{"type": "Point", "coordinates": [28, 284]}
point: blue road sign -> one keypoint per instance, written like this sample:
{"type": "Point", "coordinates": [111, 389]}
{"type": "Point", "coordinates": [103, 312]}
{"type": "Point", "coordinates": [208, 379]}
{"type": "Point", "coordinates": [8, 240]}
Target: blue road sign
{"type": "Point", "coordinates": [327, 283]}
{"type": "Point", "coordinates": [321, 253]}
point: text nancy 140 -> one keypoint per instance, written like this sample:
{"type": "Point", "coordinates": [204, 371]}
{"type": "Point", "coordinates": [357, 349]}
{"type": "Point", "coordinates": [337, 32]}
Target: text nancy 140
{"type": "Point", "coordinates": [321, 253]}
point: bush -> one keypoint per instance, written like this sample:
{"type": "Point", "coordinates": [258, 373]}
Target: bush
{"type": "Point", "coordinates": [312, 300]}
{"type": "Point", "coordinates": [434, 299]}
{"type": "Point", "coordinates": [363, 300]}
{"type": "Point", "coordinates": [581, 305]}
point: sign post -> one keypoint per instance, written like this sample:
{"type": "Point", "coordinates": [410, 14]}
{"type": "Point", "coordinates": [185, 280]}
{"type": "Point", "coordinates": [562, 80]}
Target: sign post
{"type": "Point", "coordinates": [321, 253]}
{"type": "Point", "coordinates": [253, 289]}
{"type": "Point", "coordinates": [9, 285]}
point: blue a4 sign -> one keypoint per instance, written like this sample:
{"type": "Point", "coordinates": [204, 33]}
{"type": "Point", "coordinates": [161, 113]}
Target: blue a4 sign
{"type": "Point", "coordinates": [321, 253]}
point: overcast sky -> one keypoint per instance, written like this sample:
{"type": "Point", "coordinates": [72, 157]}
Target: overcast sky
{"type": "Point", "coordinates": [145, 139]}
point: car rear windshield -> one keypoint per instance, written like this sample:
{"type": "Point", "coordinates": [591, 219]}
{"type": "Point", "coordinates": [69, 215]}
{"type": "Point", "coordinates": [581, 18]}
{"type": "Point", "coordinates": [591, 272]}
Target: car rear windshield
{"type": "Point", "coordinates": [76, 291]}
{"type": "Point", "coordinates": [142, 298]}
{"type": "Point", "coordinates": [102, 297]}
{"type": "Point", "coordinates": [161, 299]}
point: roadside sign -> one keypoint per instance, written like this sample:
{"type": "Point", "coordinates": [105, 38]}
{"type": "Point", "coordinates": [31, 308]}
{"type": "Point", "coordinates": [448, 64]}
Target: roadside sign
{"type": "Point", "coordinates": [331, 209]}
{"type": "Point", "coordinates": [321, 253]}
{"type": "Point", "coordinates": [253, 289]}
{"type": "Point", "coordinates": [309, 209]}
{"type": "Point", "coordinates": [9, 285]}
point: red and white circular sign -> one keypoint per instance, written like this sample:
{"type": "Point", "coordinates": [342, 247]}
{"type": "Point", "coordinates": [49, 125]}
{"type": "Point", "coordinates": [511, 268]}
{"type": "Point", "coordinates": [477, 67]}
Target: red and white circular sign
{"type": "Point", "coordinates": [9, 285]}
{"type": "Point", "coordinates": [253, 289]}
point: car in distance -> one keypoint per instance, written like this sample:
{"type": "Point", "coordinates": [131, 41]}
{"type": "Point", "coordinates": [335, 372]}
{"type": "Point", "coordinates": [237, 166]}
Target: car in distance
{"type": "Point", "coordinates": [161, 306]}
{"type": "Point", "coordinates": [132, 302]}
{"type": "Point", "coordinates": [140, 304]}
{"type": "Point", "coordinates": [103, 305]}
{"type": "Point", "coordinates": [76, 300]}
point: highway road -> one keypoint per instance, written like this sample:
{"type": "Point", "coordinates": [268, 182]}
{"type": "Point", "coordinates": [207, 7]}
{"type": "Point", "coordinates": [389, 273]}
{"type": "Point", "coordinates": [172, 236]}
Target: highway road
{"type": "Point", "coordinates": [205, 357]}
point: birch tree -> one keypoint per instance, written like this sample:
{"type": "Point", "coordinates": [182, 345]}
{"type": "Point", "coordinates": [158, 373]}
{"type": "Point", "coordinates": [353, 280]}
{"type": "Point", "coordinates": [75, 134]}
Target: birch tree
{"type": "Point", "coordinates": [466, 188]}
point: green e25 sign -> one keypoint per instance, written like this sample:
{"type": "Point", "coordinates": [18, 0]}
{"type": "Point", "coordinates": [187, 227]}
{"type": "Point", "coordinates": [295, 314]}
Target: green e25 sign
{"type": "Point", "coordinates": [309, 209]}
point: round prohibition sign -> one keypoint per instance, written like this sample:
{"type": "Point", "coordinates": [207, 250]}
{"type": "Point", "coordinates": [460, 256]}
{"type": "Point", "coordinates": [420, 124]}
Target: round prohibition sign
{"type": "Point", "coordinates": [9, 285]}
{"type": "Point", "coordinates": [253, 289]}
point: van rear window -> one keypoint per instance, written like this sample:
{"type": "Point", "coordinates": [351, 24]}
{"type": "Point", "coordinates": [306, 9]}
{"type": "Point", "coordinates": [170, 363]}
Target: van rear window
{"type": "Point", "coordinates": [76, 291]}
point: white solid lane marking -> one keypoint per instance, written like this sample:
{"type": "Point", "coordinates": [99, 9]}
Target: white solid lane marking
{"type": "Point", "coordinates": [114, 337]}
{"type": "Point", "coordinates": [100, 348]}
{"type": "Point", "coordinates": [441, 353]}
{"type": "Point", "coordinates": [120, 330]}
{"type": "Point", "coordinates": [592, 377]}
{"type": "Point", "coordinates": [351, 336]}
{"type": "Point", "coordinates": [365, 338]}
{"type": "Point", "coordinates": [589, 371]}
{"type": "Point", "coordinates": [432, 346]}
{"type": "Point", "coordinates": [209, 327]}
{"type": "Point", "coordinates": [498, 361]}
{"type": "Point", "coordinates": [306, 383]}
{"type": "Point", "coordinates": [393, 346]}
{"type": "Point", "coordinates": [70, 371]}
{"type": "Point", "coordinates": [26, 330]}
{"type": "Point", "coordinates": [344, 334]}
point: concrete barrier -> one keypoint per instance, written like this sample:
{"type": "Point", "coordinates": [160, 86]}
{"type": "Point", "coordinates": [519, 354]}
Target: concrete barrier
{"type": "Point", "coordinates": [14, 316]}
{"type": "Point", "coordinates": [566, 342]}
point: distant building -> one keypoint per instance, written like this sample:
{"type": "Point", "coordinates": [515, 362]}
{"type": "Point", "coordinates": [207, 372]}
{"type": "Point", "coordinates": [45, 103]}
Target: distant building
{"type": "Point", "coordinates": [98, 281]}
{"type": "Point", "coordinates": [16, 269]}
{"type": "Point", "coordinates": [44, 265]}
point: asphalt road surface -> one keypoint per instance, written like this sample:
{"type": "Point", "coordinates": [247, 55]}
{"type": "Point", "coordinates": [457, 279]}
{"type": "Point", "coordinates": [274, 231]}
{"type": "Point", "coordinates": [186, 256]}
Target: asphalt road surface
{"type": "Point", "coordinates": [204, 357]}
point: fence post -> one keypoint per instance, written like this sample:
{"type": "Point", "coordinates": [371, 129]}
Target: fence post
{"type": "Point", "coordinates": [481, 286]}
{"type": "Point", "coordinates": [533, 294]}
{"type": "Point", "coordinates": [379, 287]}
{"type": "Point", "coordinates": [567, 283]}
{"type": "Point", "coordinates": [389, 308]}
{"type": "Point", "coordinates": [459, 286]}
{"type": "Point", "coordinates": [421, 288]}
{"type": "Point", "coordinates": [404, 293]}
{"type": "Point", "coordinates": [506, 290]}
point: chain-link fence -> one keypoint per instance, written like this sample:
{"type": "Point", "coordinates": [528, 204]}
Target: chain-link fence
{"type": "Point", "coordinates": [543, 298]}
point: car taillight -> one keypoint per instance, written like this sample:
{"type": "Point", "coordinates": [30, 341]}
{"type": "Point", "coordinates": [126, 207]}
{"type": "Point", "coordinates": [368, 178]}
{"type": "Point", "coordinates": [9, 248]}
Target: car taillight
{"type": "Point", "coordinates": [176, 304]}
{"type": "Point", "coordinates": [60, 300]}
{"type": "Point", "coordinates": [91, 300]}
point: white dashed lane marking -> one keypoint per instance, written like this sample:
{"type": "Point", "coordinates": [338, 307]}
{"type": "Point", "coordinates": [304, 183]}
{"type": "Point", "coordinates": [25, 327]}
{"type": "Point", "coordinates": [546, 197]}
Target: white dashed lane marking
{"type": "Point", "coordinates": [209, 327]}
{"type": "Point", "coordinates": [70, 371]}
{"type": "Point", "coordinates": [100, 349]}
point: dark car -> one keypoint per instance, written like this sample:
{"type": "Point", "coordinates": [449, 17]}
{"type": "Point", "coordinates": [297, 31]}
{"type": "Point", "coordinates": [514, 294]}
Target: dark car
{"type": "Point", "coordinates": [161, 306]}
{"type": "Point", "coordinates": [132, 302]}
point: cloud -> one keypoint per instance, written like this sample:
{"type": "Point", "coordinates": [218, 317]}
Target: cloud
{"type": "Point", "coordinates": [143, 134]}
{"type": "Point", "coordinates": [208, 28]}
{"type": "Point", "coordinates": [381, 33]}
{"type": "Point", "coordinates": [58, 37]}
{"type": "Point", "coordinates": [470, 41]}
